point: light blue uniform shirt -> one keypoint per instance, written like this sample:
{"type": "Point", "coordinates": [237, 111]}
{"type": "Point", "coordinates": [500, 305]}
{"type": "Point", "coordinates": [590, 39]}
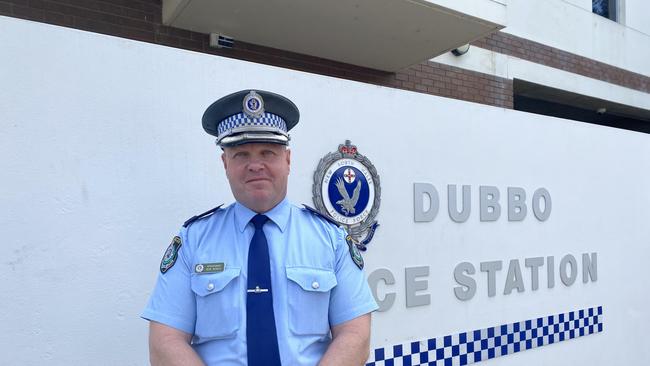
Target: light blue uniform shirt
{"type": "Point", "coordinates": [315, 284]}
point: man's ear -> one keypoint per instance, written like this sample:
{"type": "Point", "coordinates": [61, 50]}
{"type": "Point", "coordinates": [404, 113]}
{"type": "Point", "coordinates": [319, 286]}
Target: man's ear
{"type": "Point", "coordinates": [289, 159]}
{"type": "Point", "coordinates": [223, 159]}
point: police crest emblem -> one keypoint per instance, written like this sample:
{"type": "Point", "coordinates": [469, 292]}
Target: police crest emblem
{"type": "Point", "coordinates": [346, 189]}
{"type": "Point", "coordinates": [171, 254]}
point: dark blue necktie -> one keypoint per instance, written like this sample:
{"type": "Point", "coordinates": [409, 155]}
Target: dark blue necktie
{"type": "Point", "coordinates": [261, 336]}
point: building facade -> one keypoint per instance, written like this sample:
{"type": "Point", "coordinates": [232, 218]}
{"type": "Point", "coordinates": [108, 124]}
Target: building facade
{"type": "Point", "coordinates": [559, 55]}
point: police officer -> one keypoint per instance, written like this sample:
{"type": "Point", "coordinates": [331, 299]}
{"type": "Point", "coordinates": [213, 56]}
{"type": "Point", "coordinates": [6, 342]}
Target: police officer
{"type": "Point", "coordinates": [260, 282]}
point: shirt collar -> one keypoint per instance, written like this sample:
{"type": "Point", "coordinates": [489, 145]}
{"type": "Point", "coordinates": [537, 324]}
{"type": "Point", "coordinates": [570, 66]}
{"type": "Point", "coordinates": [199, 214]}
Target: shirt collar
{"type": "Point", "coordinates": [278, 214]}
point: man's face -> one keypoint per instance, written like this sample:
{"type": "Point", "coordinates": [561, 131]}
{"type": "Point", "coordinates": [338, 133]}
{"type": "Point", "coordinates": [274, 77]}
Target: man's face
{"type": "Point", "coordinates": [258, 174]}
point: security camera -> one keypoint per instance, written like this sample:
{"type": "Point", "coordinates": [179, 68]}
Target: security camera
{"type": "Point", "coordinates": [460, 50]}
{"type": "Point", "coordinates": [601, 110]}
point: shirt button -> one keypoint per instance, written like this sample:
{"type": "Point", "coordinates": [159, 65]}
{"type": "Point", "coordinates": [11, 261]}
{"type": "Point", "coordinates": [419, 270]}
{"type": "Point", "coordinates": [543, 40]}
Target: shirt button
{"type": "Point", "coordinates": [210, 286]}
{"type": "Point", "coordinates": [315, 285]}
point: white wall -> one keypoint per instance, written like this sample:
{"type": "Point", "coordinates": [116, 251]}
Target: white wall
{"type": "Point", "coordinates": [585, 4]}
{"type": "Point", "coordinates": [636, 13]}
{"type": "Point", "coordinates": [103, 158]}
{"type": "Point", "coordinates": [572, 27]}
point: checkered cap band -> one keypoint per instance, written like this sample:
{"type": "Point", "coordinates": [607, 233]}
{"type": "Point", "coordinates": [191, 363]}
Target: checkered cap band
{"type": "Point", "coordinates": [241, 120]}
{"type": "Point", "coordinates": [483, 344]}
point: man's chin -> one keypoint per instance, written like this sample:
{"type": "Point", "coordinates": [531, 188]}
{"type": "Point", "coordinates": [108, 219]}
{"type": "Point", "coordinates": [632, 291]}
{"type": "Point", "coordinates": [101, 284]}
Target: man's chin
{"type": "Point", "coordinates": [262, 196]}
{"type": "Point", "coordinates": [259, 203]}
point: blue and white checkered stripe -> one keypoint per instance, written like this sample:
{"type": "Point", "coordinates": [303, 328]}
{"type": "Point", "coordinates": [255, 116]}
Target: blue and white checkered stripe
{"type": "Point", "coordinates": [241, 120]}
{"type": "Point", "coordinates": [482, 344]}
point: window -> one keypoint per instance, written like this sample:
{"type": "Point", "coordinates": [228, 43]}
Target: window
{"type": "Point", "coordinates": [606, 8]}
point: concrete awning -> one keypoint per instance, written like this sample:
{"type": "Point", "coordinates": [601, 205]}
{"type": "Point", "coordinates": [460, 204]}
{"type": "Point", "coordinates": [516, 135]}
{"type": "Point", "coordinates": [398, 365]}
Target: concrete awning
{"type": "Point", "coordinates": [386, 35]}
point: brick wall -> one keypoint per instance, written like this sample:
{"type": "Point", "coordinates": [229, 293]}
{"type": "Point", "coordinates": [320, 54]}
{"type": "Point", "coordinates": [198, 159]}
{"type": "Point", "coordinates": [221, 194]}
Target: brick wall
{"type": "Point", "coordinates": [141, 20]}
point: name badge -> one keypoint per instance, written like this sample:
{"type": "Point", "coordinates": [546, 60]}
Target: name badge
{"type": "Point", "coordinates": [209, 267]}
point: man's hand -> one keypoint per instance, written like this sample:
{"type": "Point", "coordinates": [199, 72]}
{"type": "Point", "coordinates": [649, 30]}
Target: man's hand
{"type": "Point", "coordinates": [350, 343]}
{"type": "Point", "coordinates": [171, 347]}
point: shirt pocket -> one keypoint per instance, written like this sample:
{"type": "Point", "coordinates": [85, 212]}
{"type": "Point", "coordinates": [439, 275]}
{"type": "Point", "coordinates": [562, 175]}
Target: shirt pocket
{"type": "Point", "coordinates": [217, 304]}
{"type": "Point", "coordinates": [308, 296]}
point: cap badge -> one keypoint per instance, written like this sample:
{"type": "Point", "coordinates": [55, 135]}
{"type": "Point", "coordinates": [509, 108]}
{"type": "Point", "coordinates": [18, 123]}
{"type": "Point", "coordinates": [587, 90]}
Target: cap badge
{"type": "Point", "coordinates": [253, 105]}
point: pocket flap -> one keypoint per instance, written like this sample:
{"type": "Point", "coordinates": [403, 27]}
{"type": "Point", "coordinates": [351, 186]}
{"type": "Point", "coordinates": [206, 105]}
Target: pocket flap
{"type": "Point", "coordinates": [210, 283]}
{"type": "Point", "coordinates": [312, 279]}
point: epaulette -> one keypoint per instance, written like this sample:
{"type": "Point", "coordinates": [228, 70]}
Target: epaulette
{"type": "Point", "coordinates": [324, 217]}
{"type": "Point", "coordinates": [205, 214]}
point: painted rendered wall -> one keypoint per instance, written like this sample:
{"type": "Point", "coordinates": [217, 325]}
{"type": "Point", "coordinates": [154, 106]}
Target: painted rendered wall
{"type": "Point", "coordinates": [103, 158]}
{"type": "Point", "coordinates": [636, 15]}
{"type": "Point", "coordinates": [574, 28]}
{"type": "Point", "coordinates": [585, 4]}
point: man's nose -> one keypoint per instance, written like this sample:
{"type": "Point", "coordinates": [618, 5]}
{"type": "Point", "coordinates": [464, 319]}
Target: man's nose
{"type": "Point", "coordinates": [255, 164]}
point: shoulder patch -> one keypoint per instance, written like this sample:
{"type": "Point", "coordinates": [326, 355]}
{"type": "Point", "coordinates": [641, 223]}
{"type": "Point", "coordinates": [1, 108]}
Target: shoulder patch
{"type": "Point", "coordinates": [324, 217]}
{"type": "Point", "coordinates": [205, 214]}
{"type": "Point", "coordinates": [354, 251]}
{"type": "Point", "coordinates": [171, 254]}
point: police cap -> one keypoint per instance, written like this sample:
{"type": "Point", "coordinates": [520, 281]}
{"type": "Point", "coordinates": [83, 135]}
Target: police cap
{"type": "Point", "coordinates": [251, 116]}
